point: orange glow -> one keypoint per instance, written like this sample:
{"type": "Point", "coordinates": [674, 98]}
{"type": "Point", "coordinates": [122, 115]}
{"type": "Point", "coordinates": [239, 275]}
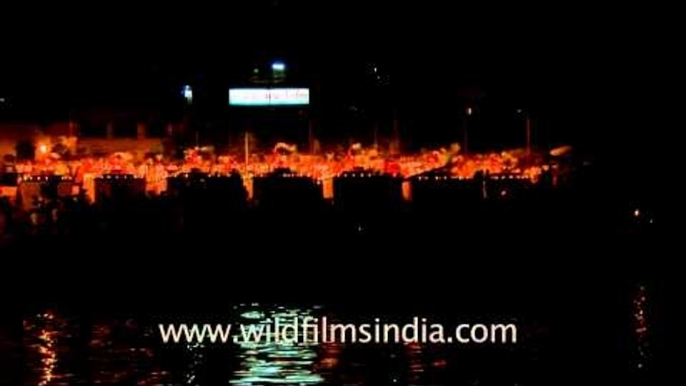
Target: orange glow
{"type": "Point", "coordinates": [358, 162]}
{"type": "Point", "coordinates": [49, 356]}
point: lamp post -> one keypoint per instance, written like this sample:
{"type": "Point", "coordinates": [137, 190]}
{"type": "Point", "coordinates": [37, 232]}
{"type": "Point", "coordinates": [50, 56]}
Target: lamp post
{"type": "Point", "coordinates": [465, 132]}
{"type": "Point", "coordinates": [527, 126]}
{"type": "Point", "coordinates": [528, 136]}
{"type": "Point", "coordinates": [278, 72]}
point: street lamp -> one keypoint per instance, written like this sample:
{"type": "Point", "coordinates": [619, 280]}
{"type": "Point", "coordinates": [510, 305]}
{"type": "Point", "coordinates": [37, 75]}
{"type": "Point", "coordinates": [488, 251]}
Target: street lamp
{"type": "Point", "coordinates": [469, 111]}
{"type": "Point", "coordinates": [527, 120]}
{"type": "Point", "coordinates": [187, 93]}
{"type": "Point", "coordinates": [278, 71]}
{"type": "Point", "coordinates": [278, 67]}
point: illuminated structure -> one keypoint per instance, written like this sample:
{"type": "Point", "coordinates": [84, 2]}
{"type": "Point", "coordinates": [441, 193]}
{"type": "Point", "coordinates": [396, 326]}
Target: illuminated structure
{"type": "Point", "coordinates": [270, 108]}
{"type": "Point", "coordinates": [269, 97]}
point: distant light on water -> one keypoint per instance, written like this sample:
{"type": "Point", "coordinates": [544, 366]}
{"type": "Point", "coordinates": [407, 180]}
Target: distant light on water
{"type": "Point", "coordinates": [641, 326]}
{"type": "Point", "coordinates": [196, 355]}
{"type": "Point", "coordinates": [269, 362]}
{"type": "Point", "coordinates": [47, 351]}
{"type": "Point", "coordinates": [41, 334]}
{"type": "Point", "coordinates": [253, 315]}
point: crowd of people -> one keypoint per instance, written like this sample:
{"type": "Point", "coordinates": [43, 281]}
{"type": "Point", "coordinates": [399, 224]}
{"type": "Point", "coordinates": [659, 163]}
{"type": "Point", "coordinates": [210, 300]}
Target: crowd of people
{"type": "Point", "coordinates": [155, 169]}
{"type": "Point", "coordinates": [82, 172]}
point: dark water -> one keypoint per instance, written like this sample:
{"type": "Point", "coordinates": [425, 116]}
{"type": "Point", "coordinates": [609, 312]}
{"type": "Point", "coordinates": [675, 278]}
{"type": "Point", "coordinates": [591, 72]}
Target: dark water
{"type": "Point", "coordinates": [123, 347]}
{"type": "Point", "coordinates": [581, 289]}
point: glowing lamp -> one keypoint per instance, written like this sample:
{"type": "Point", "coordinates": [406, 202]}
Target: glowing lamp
{"type": "Point", "coordinates": [278, 66]}
{"type": "Point", "coordinates": [187, 93]}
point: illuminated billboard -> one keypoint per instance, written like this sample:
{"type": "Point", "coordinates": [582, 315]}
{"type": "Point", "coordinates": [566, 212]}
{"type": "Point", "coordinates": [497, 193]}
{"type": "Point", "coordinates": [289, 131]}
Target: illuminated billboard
{"type": "Point", "coordinates": [269, 96]}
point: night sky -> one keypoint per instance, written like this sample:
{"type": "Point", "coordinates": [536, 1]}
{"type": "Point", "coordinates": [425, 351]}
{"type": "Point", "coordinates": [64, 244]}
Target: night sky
{"type": "Point", "coordinates": [586, 72]}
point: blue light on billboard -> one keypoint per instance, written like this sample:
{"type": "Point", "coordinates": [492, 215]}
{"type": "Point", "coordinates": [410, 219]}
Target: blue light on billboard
{"type": "Point", "coordinates": [269, 97]}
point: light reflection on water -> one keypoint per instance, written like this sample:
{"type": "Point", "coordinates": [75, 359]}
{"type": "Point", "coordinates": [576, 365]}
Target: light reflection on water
{"type": "Point", "coordinates": [61, 350]}
{"type": "Point", "coordinates": [42, 333]}
{"type": "Point", "coordinates": [195, 352]}
{"type": "Point", "coordinates": [276, 362]}
{"type": "Point", "coordinates": [122, 351]}
{"type": "Point", "coordinates": [66, 350]}
{"type": "Point", "coordinates": [46, 348]}
{"type": "Point", "coordinates": [128, 351]}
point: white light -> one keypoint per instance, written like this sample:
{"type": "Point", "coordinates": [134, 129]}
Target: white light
{"type": "Point", "coordinates": [269, 97]}
{"type": "Point", "coordinates": [469, 111]}
{"type": "Point", "coordinates": [187, 93]}
{"type": "Point", "coordinates": [278, 66]}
